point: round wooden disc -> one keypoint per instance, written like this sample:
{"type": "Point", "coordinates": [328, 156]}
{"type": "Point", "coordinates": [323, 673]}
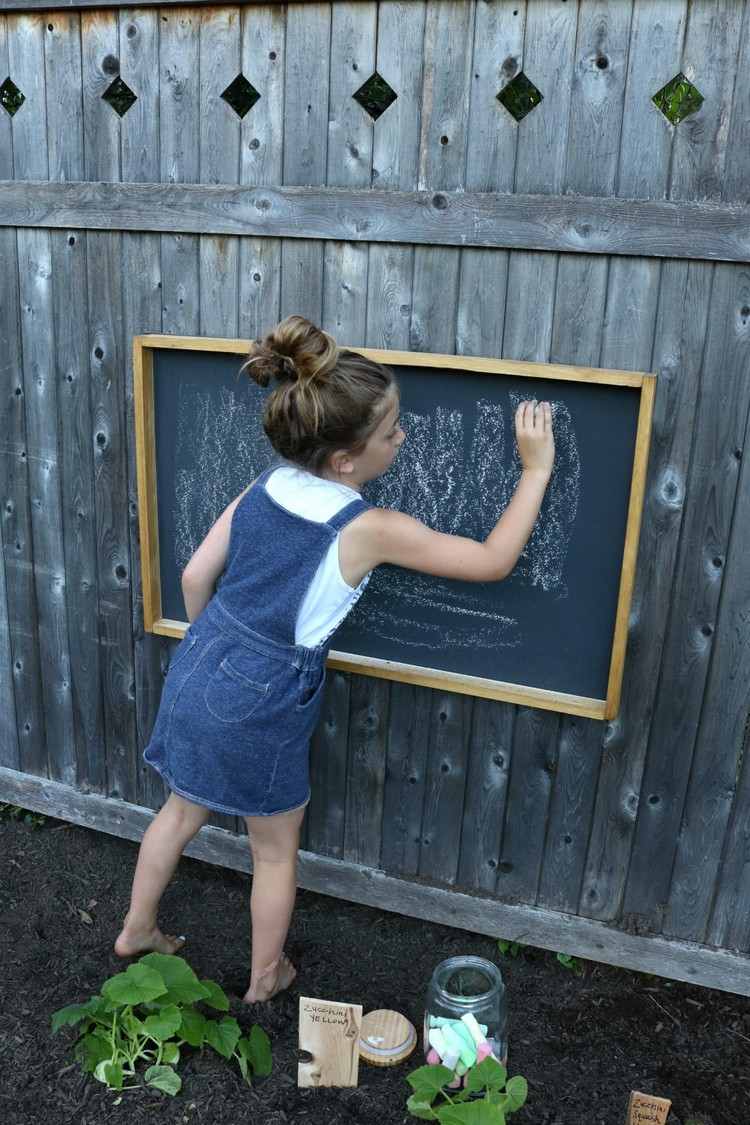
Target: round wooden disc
{"type": "Point", "coordinates": [386, 1038]}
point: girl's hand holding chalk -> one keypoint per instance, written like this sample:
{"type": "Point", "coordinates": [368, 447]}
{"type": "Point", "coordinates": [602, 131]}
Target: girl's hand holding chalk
{"type": "Point", "coordinates": [536, 445]}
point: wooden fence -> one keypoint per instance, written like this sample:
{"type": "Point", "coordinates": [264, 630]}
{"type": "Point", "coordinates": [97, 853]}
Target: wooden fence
{"type": "Point", "coordinates": [591, 231]}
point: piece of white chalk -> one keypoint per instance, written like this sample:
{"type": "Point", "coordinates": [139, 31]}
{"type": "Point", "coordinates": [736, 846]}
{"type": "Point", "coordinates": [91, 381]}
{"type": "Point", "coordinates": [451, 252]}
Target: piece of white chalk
{"type": "Point", "coordinates": [469, 1022]}
{"type": "Point", "coordinates": [436, 1040]}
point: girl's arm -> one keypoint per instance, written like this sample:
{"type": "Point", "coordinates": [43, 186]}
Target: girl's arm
{"type": "Point", "coordinates": [206, 563]}
{"type": "Point", "coordinates": [386, 536]}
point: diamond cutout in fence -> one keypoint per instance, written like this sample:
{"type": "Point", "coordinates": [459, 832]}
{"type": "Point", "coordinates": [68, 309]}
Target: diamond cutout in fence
{"type": "Point", "coordinates": [241, 95]}
{"type": "Point", "coordinates": [520, 96]}
{"type": "Point", "coordinates": [119, 95]}
{"type": "Point", "coordinates": [11, 97]}
{"type": "Point", "coordinates": [678, 99]}
{"type": "Point", "coordinates": [375, 95]}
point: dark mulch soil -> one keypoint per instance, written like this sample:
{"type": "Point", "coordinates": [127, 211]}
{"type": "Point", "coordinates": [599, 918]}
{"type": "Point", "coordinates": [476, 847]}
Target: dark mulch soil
{"type": "Point", "coordinates": [582, 1042]}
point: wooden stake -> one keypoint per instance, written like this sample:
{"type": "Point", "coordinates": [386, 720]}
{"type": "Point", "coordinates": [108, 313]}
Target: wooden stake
{"type": "Point", "coordinates": [647, 1109]}
{"type": "Point", "coordinates": [329, 1032]}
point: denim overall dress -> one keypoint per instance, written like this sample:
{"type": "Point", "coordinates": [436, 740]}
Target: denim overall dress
{"type": "Point", "coordinates": [241, 700]}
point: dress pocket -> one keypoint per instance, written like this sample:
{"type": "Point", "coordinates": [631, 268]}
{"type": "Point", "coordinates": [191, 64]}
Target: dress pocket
{"type": "Point", "coordinates": [231, 696]}
{"type": "Point", "coordinates": [310, 689]}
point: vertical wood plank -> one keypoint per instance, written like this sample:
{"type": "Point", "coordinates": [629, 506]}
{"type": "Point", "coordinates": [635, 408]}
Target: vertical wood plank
{"type": "Point", "coordinates": [596, 113]}
{"type": "Point", "coordinates": [326, 812]}
{"type": "Point", "coordinates": [305, 147]}
{"type": "Point", "coordinates": [26, 61]}
{"type": "Point", "coordinates": [446, 84]}
{"type": "Point", "coordinates": [219, 164]}
{"type": "Point", "coordinates": [395, 165]}
{"type": "Point", "coordinates": [710, 56]}
{"type": "Point", "coordinates": [730, 916]}
{"type": "Point", "coordinates": [655, 772]}
{"type": "Point", "coordinates": [490, 750]}
{"type": "Point", "coordinates": [349, 164]}
{"type": "Point", "coordinates": [736, 185]}
{"type": "Point", "coordinates": [141, 268]}
{"type": "Point", "coordinates": [548, 52]}
{"type": "Point", "coordinates": [15, 584]}
{"type": "Point", "coordinates": [406, 769]}
{"type": "Point", "coordinates": [491, 155]}
{"type": "Point", "coordinates": [630, 340]}
{"type": "Point", "coordinates": [480, 323]}
{"type": "Point", "coordinates": [717, 640]}
{"type": "Point", "coordinates": [533, 765]}
{"type": "Point", "coordinates": [445, 786]}
{"type": "Point", "coordinates": [70, 312]}
{"type": "Point", "coordinates": [220, 46]}
{"type": "Point", "coordinates": [179, 148]}
{"type": "Point", "coordinates": [263, 51]}
{"type": "Point", "coordinates": [366, 763]}
{"type": "Point", "coordinates": [102, 136]}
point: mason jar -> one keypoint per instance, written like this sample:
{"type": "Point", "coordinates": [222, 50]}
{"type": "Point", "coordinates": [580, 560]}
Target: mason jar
{"type": "Point", "coordinates": [469, 984]}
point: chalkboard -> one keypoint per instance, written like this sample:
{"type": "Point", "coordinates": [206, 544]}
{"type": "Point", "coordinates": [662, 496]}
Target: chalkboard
{"type": "Point", "coordinates": [552, 634]}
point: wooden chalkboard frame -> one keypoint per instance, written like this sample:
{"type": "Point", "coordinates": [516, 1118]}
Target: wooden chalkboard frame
{"type": "Point", "coordinates": [155, 622]}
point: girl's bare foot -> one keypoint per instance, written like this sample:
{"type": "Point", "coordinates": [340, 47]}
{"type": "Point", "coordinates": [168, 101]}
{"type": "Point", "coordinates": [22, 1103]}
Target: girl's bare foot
{"type": "Point", "coordinates": [275, 978]}
{"type": "Point", "coordinates": [132, 942]}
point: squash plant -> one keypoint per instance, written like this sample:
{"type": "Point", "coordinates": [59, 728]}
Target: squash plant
{"type": "Point", "coordinates": [148, 1014]}
{"type": "Point", "coordinates": [487, 1098]}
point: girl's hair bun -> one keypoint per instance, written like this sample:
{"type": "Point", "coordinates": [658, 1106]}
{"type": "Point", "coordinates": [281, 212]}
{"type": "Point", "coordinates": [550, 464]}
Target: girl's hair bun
{"type": "Point", "coordinates": [263, 365]}
{"type": "Point", "coordinates": [327, 398]}
{"type": "Point", "coordinates": [296, 350]}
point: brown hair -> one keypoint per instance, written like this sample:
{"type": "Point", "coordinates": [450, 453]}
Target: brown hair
{"type": "Point", "coordinates": [328, 398]}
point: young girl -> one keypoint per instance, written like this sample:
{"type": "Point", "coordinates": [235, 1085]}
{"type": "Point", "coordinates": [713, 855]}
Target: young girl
{"type": "Point", "coordinates": [292, 554]}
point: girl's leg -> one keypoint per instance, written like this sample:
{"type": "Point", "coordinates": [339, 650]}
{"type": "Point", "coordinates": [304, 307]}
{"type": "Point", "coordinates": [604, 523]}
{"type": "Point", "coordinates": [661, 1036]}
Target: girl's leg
{"type": "Point", "coordinates": [274, 841]}
{"type": "Point", "coordinates": [162, 845]}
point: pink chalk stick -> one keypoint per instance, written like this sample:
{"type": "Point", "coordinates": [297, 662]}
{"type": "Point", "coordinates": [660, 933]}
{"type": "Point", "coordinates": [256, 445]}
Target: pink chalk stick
{"type": "Point", "coordinates": [455, 1082]}
{"type": "Point", "coordinates": [483, 1051]}
{"type": "Point", "coordinates": [433, 1058]}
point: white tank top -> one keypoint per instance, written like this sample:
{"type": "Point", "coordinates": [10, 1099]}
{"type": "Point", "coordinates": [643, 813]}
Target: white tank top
{"type": "Point", "coordinates": [329, 597]}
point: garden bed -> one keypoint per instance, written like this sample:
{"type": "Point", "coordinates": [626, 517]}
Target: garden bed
{"type": "Point", "coordinates": [583, 1042]}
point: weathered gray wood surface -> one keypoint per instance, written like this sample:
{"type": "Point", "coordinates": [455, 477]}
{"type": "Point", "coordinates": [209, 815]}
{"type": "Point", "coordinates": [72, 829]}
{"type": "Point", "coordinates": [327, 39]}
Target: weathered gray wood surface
{"type": "Point", "coordinates": [444, 225]}
{"type": "Point", "coordinates": [574, 224]}
{"type": "Point", "coordinates": [566, 933]}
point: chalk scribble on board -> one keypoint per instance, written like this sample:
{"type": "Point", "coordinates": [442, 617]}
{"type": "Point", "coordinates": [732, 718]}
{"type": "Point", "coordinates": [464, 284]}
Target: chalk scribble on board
{"type": "Point", "coordinates": [225, 448]}
{"type": "Point", "coordinates": [461, 493]}
{"type": "Point", "coordinates": [542, 562]}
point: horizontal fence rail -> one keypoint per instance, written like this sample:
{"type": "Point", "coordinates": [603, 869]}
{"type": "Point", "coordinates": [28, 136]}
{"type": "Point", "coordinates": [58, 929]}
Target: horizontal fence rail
{"type": "Point", "coordinates": [565, 223]}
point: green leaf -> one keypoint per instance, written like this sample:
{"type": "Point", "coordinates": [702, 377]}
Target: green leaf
{"type": "Point", "coordinates": [110, 1073]}
{"type": "Point", "coordinates": [170, 1054]}
{"type": "Point", "coordinates": [242, 1059]}
{"type": "Point", "coordinates": [260, 1051]}
{"type": "Point", "coordinates": [163, 1078]}
{"type": "Point", "coordinates": [90, 1051]}
{"type": "Point", "coordinates": [418, 1107]}
{"type": "Point", "coordinates": [517, 1090]}
{"type": "Point", "coordinates": [223, 1036]}
{"type": "Point", "coordinates": [427, 1081]}
{"type": "Point", "coordinates": [193, 1027]}
{"type": "Point", "coordinates": [216, 996]}
{"type": "Point", "coordinates": [489, 1075]}
{"type": "Point", "coordinates": [474, 1113]}
{"type": "Point", "coordinates": [163, 1024]}
{"type": "Point", "coordinates": [70, 1016]}
{"type": "Point", "coordinates": [137, 985]}
{"type": "Point", "coordinates": [132, 1025]}
{"type": "Point", "coordinates": [182, 984]}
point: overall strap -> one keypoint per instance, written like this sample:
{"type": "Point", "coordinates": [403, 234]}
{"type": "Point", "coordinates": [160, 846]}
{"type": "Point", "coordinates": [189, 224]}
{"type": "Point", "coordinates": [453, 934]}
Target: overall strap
{"type": "Point", "coordinates": [346, 514]}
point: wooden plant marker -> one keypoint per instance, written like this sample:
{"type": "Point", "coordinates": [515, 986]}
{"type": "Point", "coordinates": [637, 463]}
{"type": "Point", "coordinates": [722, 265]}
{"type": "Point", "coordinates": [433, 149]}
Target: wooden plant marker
{"type": "Point", "coordinates": [647, 1109]}
{"type": "Point", "coordinates": [330, 1032]}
